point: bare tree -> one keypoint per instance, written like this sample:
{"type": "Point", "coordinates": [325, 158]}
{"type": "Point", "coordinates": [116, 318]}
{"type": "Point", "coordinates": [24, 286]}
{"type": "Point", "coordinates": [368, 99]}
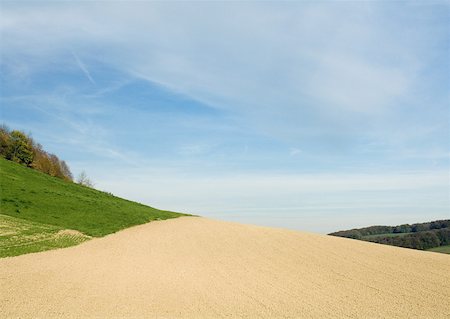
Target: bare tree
{"type": "Point", "coordinates": [84, 180]}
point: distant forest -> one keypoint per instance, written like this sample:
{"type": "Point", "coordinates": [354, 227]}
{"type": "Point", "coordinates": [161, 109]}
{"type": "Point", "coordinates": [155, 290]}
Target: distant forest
{"type": "Point", "coordinates": [417, 236]}
{"type": "Point", "coordinates": [19, 147]}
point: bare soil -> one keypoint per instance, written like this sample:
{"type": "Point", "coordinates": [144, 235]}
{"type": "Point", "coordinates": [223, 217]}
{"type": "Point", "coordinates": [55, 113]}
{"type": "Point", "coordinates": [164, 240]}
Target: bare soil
{"type": "Point", "coordinates": [193, 267]}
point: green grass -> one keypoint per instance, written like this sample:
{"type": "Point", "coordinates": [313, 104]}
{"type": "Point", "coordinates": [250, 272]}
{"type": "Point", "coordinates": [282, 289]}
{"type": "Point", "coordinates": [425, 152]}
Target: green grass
{"type": "Point", "coordinates": [441, 249]}
{"type": "Point", "coordinates": [29, 195]}
{"type": "Point", "coordinates": [19, 236]}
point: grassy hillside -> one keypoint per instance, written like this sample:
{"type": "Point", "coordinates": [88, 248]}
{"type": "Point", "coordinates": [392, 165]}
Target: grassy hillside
{"type": "Point", "coordinates": [47, 205]}
{"type": "Point", "coordinates": [441, 249]}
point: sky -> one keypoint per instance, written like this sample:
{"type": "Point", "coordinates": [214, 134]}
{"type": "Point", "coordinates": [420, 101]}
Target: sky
{"type": "Point", "coordinates": [314, 116]}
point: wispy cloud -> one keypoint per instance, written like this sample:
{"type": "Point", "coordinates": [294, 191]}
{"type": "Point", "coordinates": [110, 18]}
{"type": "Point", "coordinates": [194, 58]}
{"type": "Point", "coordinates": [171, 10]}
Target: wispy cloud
{"type": "Point", "coordinates": [293, 151]}
{"type": "Point", "coordinates": [83, 68]}
{"type": "Point", "coordinates": [193, 149]}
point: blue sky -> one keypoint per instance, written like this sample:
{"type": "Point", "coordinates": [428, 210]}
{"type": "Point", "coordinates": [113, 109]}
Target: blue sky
{"type": "Point", "coordinates": [315, 116]}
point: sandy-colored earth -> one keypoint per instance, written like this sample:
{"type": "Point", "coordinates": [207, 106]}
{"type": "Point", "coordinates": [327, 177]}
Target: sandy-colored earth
{"type": "Point", "coordinates": [194, 267]}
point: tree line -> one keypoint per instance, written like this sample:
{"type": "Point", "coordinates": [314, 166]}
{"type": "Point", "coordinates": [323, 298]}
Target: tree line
{"type": "Point", "coordinates": [419, 240]}
{"type": "Point", "coordinates": [418, 236]}
{"type": "Point", "coordinates": [358, 233]}
{"type": "Point", "coordinates": [20, 147]}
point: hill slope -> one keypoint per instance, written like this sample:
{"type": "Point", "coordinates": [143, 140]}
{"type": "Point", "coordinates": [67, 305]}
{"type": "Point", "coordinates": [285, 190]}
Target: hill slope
{"type": "Point", "coordinates": [199, 268]}
{"type": "Point", "coordinates": [42, 205]}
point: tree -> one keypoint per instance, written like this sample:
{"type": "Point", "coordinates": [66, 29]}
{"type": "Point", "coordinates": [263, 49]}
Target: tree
{"type": "Point", "coordinates": [5, 140]}
{"type": "Point", "coordinates": [416, 228]}
{"type": "Point", "coordinates": [405, 228]}
{"type": "Point", "coordinates": [355, 234]}
{"type": "Point", "coordinates": [66, 171]}
{"type": "Point", "coordinates": [56, 167]}
{"type": "Point", "coordinates": [41, 161]}
{"type": "Point", "coordinates": [20, 148]}
{"type": "Point", "coordinates": [84, 180]}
